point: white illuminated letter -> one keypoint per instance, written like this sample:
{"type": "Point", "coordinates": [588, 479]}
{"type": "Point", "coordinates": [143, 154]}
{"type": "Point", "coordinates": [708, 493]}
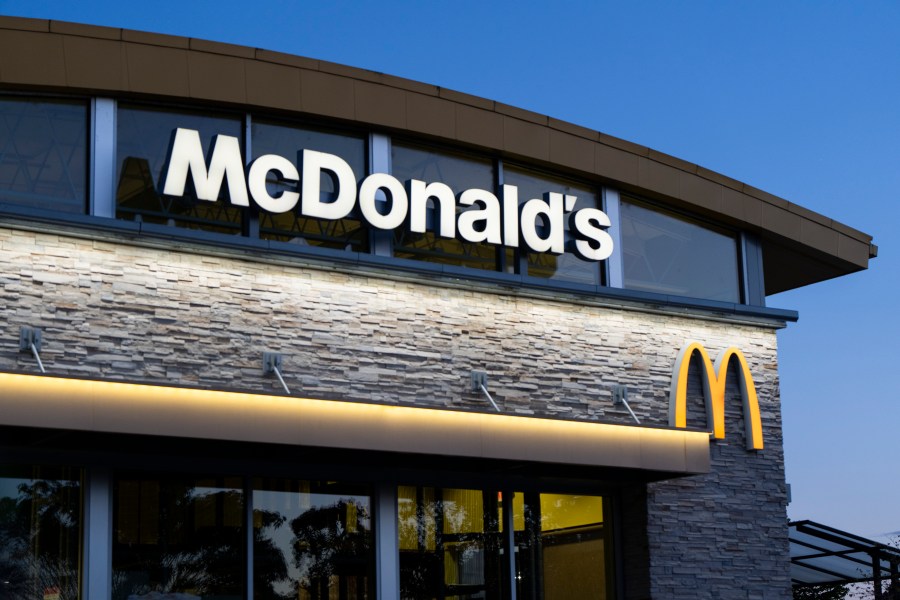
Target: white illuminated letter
{"type": "Point", "coordinates": [551, 213]}
{"type": "Point", "coordinates": [256, 181]}
{"type": "Point", "coordinates": [593, 243]}
{"type": "Point", "coordinates": [187, 157]}
{"type": "Point", "coordinates": [368, 202]}
{"type": "Point", "coordinates": [510, 216]}
{"type": "Point", "coordinates": [311, 204]}
{"type": "Point", "coordinates": [489, 215]}
{"type": "Point", "coordinates": [419, 194]}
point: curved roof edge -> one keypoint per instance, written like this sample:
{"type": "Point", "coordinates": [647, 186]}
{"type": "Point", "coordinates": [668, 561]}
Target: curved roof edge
{"type": "Point", "coordinates": [799, 246]}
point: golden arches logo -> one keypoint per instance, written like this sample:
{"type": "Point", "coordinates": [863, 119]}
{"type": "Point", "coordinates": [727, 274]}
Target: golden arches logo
{"type": "Point", "coordinates": [714, 379]}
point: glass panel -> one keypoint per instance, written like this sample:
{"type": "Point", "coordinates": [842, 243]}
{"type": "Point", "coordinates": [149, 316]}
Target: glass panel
{"type": "Point", "coordinates": [564, 267]}
{"type": "Point", "coordinates": [672, 255]}
{"type": "Point", "coordinates": [143, 141]}
{"type": "Point", "coordinates": [40, 533]}
{"type": "Point", "coordinates": [459, 173]}
{"type": "Point", "coordinates": [449, 543]}
{"type": "Point", "coordinates": [561, 547]}
{"type": "Point", "coordinates": [312, 539]}
{"type": "Point", "coordinates": [289, 142]}
{"type": "Point", "coordinates": [178, 536]}
{"type": "Point", "coordinates": [43, 153]}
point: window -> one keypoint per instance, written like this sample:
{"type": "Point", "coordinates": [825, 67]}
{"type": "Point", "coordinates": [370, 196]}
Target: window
{"type": "Point", "coordinates": [312, 539]}
{"type": "Point", "coordinates": [188, 535]}
{"type": "Point", "coordinates": [452, 545]}
{"type": "Point", "coordinates": [44, 164]}
{"type": "Point", "coordinates": [289, 142]}
{"type": "Point", "coordinates": [40, 532]}
{"type": "Point", "coordinates": [561, 547]}
{"type": "Point", "coordinates": [178, 536]}
{"type": "Point", "coordinates": [143, 141]}
{"type": "Point", "coordinates": [668, 254]}
{"type": "Point", "coordinates": [460, 173]}
{"type": "Point", "coordinates": [563, 267]}
{"type": "Point", "coordinates": [43, 153]}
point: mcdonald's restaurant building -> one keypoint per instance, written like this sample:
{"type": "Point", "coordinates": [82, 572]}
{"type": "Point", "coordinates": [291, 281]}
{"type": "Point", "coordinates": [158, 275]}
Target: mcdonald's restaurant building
{"type": "Point", "coordinates": [278, 328]}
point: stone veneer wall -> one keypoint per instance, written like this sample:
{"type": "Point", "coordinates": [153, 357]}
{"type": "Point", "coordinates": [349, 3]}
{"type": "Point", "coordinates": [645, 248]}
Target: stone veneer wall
{"type": "Point", "coordinates": [162, 315]}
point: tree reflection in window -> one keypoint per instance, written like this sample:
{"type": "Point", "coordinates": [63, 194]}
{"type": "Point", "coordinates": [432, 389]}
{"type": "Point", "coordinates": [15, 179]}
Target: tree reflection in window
{"type": "Point", "coordinates": [178, 536]}
{"type": "Point", "coordinates": [40, 533]}
{"type": "Point", "coordinates": [449, 543]}
{"type": "Point", "coordinates": [312, 540]}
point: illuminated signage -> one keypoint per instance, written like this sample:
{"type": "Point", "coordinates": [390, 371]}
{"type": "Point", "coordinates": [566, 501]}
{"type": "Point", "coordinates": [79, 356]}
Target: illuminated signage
{"type": "Point", "coordinates": [714, 377]}
{"type": "Point", "coordinates": [538, 223]}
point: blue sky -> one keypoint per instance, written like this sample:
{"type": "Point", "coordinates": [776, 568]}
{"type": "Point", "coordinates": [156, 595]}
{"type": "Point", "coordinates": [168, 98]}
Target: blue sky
{"type": "Point", "coordinates": [801, 99]}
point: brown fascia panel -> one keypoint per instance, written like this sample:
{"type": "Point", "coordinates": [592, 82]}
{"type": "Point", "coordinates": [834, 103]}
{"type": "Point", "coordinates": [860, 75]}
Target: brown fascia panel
{"type": "Point", "coordinates": [55, 56]}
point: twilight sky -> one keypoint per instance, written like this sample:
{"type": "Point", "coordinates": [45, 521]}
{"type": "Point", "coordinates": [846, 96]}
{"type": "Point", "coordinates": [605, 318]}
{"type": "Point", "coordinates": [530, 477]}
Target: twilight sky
{"type": "Point", "coordinates": [798, 98]}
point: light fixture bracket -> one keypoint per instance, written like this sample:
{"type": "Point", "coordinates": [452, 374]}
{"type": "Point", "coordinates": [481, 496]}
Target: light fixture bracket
{"type": "Point", "coordinates": [28, 337]}
{"type": "Point", "coordinates": [271, 363]}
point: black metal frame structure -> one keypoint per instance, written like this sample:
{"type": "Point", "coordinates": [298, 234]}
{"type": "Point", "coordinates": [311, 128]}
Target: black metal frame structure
{"type": "Point", "coordinates": [822, 555]}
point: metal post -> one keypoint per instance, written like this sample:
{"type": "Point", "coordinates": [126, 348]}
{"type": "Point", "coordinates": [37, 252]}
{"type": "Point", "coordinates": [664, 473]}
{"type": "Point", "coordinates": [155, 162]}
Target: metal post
{"type": "Point", "coordinates": [103, 158]}
{"type": "Point", "coordinates": [381, 242]}
{"type": "Point", "coordinates": [248, 519]}
{"type": "Point", "coordinates": [387, 543]}
{"type": "Point", "coordinates": [509, 527]}
{"type": "Point", "coordinates": [894, 589]}
{"type": "Point", "coordinates": [615, 274]}
{"type": "Point", "coordinates": [97, 581]}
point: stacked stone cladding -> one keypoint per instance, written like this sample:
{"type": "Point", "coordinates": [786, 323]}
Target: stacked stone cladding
{"type": "Point", "coordinates": [170, 315]}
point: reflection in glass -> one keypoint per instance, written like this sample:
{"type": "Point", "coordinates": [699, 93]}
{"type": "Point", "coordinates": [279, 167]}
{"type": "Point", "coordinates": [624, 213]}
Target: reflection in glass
{"type": "Point", "coordinates": [449, 543]}
{"type": "Point", "coordinates": [561, 547]}
{"type": "Point", "coordinates": [40, 533]}
{"type": "Point", "coordinates": [565, 267]}
{"type": "Point", "coordinates": [459, 173]}
{"type": "Point", "coordinates": [672, 255]}
{"type": "Point", "coordinates": [289, 142]}
{"type": "Point", "coordinates": [178, 536]}
{"type": "Point", "coordinates": [143, 141]}
{"type": "Point", "coordinates": [43, 153]}
{"type": "Point", "coordinates": [312, 540]}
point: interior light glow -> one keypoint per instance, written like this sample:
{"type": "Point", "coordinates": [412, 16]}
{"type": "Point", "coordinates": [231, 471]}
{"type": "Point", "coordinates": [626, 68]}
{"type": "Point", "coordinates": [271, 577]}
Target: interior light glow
{"type": "Point", "coordinates": [106, 406]}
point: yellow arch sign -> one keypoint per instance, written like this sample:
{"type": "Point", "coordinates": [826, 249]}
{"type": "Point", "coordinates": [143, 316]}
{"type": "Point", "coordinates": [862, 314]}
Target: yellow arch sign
{"type": "Point", "coordinates": [713, 377]}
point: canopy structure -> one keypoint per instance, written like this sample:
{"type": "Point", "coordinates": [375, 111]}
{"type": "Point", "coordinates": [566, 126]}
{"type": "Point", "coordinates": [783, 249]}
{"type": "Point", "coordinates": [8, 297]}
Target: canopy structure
{"type": "Point", "coordinates": [825, 555]}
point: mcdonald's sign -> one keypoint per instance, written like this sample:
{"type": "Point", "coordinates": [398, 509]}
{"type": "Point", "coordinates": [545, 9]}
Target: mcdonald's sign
{"type": "Point", "coordinates": [714, 378]}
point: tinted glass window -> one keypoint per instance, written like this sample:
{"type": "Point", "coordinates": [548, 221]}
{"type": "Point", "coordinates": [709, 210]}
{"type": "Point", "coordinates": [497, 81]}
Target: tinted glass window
{"type": "Point", "coordinates": [43, 153]}
{"type": "Point", "coordinates": [459, 173]}
{"type": "Point", "coordinates": [312, 539]}
{"type": "Point", "coordinates": [672, 255]}
{"type": "Point", "coordinates": [289, 142]}
{"type": "Point", "coordinates": [178, 536]}
{"type": "Point", "coordinates": [564, 267]}
{"type": "Point", "coordinates": [562, 547]}
{"type": "Point", "coordinates": [40, 532]}
{"type": "Point", "coordinates": [143, 140]}
{"type": "Point", "coordinates": [450, 543]}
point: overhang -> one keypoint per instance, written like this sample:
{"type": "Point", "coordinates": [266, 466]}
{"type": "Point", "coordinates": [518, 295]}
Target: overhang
{"type": "Point", "coordinates": [113, 407]}
{"type": "Point", "coordinates": [799, 246]}
{"type": "Point", "coordinates": [823, 555]}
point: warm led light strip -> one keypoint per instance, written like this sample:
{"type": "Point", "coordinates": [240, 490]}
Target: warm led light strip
{"type": "Point", "coordinates": [105, 406]}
